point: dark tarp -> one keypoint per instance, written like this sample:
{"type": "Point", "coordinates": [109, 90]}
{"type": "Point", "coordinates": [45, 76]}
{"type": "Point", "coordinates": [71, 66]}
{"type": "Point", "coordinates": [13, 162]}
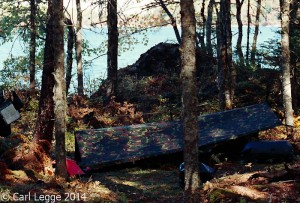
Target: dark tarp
{"type": "Point", "coordinates": [128, 143]}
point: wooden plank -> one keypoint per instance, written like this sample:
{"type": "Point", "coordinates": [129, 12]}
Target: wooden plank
{"type": "Point", "coordinates": [128, 143]}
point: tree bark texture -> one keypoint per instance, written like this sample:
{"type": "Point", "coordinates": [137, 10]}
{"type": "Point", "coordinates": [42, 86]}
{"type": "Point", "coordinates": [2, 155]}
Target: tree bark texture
{"type": "Point", "coordinates": [256, 30]}
{"type": "Point", "coordinates": [285, 59]}
{"type": "Point", "coordinates": [79, 48]}
{"type": "Point", "coordinates": [248, 31]}
{"type": "Point", "coordinates": [295, 55]}
{"type": "Point", "coordinates": [59, 88]}
{"type": "Point", "coordinates": [231, 67]}
{"type": "Point", "coordinates": [45, 118]}
{"type": "Point", "coordinates": [32, 46]}
{"type": "Point", "coordinates": [239, 50]}
{"type": "Point", "coordinates": [112, 49]}
{"type": "Point", "coordinates": [209, 27]}
{"type": "Point", "coordinates": [226, 70]}
{"type": "Point", "coordinates": [71, 41]}
{"type": "Point", "coordinates": [189, 101]}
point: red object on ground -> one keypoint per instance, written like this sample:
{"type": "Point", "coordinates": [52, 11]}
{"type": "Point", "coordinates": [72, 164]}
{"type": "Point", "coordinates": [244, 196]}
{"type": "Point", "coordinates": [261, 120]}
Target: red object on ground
{"type": "Point", "coordinates": [72, 168]}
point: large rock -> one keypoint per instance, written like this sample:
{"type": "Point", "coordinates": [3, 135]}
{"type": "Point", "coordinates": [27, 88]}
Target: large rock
{"type": "Point", "coordinates": [156, 72]}
{"type": "Point", "coordinates": [163, 58]}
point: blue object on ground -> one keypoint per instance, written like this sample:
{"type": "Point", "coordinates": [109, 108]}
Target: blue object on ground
{"type": "Point", "coordinates": [206, 173]}
{"type": "Point", "coordinates": [266, 150]}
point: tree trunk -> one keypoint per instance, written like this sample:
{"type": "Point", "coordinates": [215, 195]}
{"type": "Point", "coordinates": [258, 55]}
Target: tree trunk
{"type": "Point", "coordinates": [200, 35]}
{"type": "Point", "coordinates": [59, 88]}
{"type": "Point", "coordinates": [32, 46]}
{"type": "Point", "coordinates": [203, 16]}
{"type": "Point", "coordinates": [45, 118]}
{"type": "Point", "coordinates": [209, 26]}
{"type": "Point", "coordinates": [173, 21]}
{"type": "Point", "coordinates": [189, 101]}
{"type": "Point", "coordinates": [248, 32]}
{"type": "Point", "coordinates": [253, 51]}
{"type": "Point", "coordinates": [295, 55]}
{"type": "Point", "coordinates": [239, 50]}
{"type": "Point", "coordinates": [286, 72]}
{"type": "Point", "coordinates": [231, 67]}
{"type": "Point", "coordinates": [79, 48]}
{"type": "Point", "coordinates": [224, 94]}
{"type": "Point", "coordinates": [112, 52]}
{"type": "Point", "coordinates": [226, 70]}
{"type": "Point", "coordinates": [71, 41]}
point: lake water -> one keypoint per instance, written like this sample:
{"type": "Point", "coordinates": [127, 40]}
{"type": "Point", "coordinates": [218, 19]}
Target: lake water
{"type": "Point", "coordinates": [165, 34]}
{"type": "Point", "coordinates": [130, 49]}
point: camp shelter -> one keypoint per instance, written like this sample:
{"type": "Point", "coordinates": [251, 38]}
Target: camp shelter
{"type": "Point", "coordinates": [99, 147]}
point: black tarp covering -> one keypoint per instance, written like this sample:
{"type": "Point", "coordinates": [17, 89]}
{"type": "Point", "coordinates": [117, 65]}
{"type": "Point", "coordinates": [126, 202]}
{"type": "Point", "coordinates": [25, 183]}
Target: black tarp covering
{"type": "Point", "coordinates": [266, 150]}
{"type": "Point", "coordinates": [128, 143]}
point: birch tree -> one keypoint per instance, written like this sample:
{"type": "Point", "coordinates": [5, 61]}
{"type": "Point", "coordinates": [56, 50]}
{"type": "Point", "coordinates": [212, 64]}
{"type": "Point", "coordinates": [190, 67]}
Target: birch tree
{"type": "Point", "coordinates": [286, 71]}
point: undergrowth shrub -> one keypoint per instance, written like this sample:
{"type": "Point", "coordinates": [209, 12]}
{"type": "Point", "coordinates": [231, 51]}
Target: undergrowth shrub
{"type": "Point", "coordinates": [158, 97]}
{"type": "Point", "coordinates": [85, 114]}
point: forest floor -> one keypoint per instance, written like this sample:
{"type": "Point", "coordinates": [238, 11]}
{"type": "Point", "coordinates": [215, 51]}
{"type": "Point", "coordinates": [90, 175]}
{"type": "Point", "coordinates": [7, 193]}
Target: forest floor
{"type": "Point", "coordinates": [234, 181]}
{"type": "Point", "coordinates": [154, 97]}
